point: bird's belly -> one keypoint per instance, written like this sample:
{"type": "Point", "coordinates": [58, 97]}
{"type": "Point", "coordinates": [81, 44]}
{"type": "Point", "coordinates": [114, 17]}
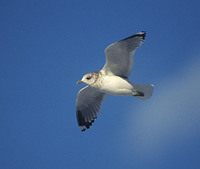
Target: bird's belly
{"type": "Point", "coordinates": [117, 86]}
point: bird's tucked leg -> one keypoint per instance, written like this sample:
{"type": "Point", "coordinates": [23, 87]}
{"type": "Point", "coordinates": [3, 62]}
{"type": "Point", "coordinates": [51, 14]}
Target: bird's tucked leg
{"type": "Point", "coordinates": [137, 93]}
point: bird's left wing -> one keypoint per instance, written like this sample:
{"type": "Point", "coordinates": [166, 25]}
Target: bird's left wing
{"type": "Point", "coordinates": [88, 104]}
{"type": "Point", "coordinates": [119, 55]}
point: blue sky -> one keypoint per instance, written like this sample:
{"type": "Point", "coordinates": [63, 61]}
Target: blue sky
{"type": "Point", "coordinates": [46, 46]}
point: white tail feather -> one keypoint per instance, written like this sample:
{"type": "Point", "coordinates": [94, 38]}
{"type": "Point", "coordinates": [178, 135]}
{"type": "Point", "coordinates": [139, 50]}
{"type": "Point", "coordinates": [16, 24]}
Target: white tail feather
{"type": "Point", "coordinates": [147, 89]}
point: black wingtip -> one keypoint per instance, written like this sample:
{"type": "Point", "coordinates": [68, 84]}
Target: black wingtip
{"type": "Point", "coordinates": [142, 34]}
{"type": "Point", "coordinates": [139, 34]}
{"type": "Point", "coordinates": [83, 125]}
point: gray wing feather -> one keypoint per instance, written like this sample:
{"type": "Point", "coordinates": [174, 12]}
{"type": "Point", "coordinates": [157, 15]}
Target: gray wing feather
{"type": "Point", "coordinates": [119, 55]}
{"type": "Point", "coordinates": [88, 104]}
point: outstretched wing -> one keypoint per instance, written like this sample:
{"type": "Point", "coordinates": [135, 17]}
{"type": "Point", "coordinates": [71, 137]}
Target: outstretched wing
{"type": "Point", "coordinates": [119, 55]}
{"type": "Point", "coordinates": [88, 104]}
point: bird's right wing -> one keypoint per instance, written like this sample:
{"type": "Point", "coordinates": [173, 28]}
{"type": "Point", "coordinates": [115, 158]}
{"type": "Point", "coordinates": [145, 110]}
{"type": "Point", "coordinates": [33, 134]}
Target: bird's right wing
{"type": "Point", "coordinates": [88, 104]}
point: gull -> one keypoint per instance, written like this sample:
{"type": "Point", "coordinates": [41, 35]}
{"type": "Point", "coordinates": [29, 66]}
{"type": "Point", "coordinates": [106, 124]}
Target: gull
{"type": "Point", "coordinates": [111, 79]}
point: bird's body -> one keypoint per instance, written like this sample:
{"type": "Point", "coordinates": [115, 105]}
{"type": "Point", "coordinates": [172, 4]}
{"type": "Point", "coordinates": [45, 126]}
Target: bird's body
{"type": "Point", "coordinates": [112, 79]}
{"type": "Point", "coordinates": [114, 85]}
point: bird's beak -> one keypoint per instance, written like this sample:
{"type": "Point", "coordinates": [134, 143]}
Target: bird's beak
{"type": "Point", "coordinates": [80, 81]}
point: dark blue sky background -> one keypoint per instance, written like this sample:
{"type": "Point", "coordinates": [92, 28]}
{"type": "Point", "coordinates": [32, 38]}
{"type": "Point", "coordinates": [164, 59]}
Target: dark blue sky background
{"type": "Point", "coordinates": [46, 46]}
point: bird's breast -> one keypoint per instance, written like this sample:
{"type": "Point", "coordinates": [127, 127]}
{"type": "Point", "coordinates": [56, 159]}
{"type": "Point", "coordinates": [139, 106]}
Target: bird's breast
{"type": "Point", "coordinates": [116, 85]}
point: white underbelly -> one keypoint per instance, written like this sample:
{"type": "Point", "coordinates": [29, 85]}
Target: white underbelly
{"type": "Point", "coordinates": [117, 86]}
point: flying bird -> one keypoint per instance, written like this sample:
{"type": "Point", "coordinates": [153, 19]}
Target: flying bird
{"type": "Point", "coordinates": [111, 79]}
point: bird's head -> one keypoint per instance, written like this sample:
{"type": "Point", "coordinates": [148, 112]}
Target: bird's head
{"type": "Point", "coordinates": [89, 79]}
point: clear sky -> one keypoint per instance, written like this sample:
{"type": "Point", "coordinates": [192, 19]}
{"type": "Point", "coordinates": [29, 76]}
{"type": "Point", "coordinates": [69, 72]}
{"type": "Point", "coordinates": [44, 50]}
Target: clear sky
{"type": "Point", "coordinates": [46, 46]}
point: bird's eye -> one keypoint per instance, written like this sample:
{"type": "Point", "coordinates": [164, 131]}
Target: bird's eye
{"type": "Point", "coordinates": [88, 78]}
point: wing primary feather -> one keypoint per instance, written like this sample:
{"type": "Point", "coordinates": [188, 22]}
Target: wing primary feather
{"type": "Point", "coordinates": [140, 34]}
